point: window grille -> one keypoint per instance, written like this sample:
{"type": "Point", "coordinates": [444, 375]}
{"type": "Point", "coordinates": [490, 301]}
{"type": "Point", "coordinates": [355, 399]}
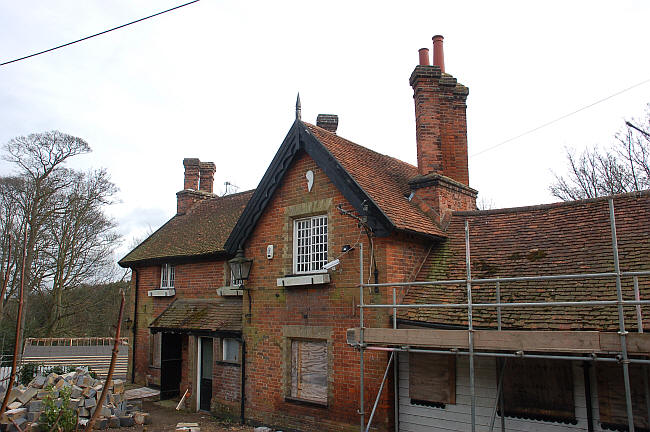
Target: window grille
{"type": "Point", "coordinates": [310, 244]}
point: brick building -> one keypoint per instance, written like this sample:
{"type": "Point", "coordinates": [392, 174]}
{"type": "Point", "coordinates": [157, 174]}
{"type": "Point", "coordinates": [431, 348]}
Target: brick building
{"type": "Point", "coordinates": [328, 215]}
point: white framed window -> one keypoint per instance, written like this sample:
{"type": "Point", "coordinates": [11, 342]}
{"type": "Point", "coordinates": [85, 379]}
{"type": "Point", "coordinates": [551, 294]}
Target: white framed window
{"type": "Point", "coordinates": [310, 244]}
{"type": "Point", "coordinates": [167, 276]}
{"type": "Point", "coordinates": [230, 350]}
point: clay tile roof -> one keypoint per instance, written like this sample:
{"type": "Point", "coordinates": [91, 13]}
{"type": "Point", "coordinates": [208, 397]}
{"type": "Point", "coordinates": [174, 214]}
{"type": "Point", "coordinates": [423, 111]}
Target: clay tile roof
{"type": "Point", "coordinates": [220, 314]}
{"type": "Point", "coordinates": [203, 230]}
{"type": "Point", "coordinates": [563, 238]}
{"type": "Point", "coordinates": [384, 178]}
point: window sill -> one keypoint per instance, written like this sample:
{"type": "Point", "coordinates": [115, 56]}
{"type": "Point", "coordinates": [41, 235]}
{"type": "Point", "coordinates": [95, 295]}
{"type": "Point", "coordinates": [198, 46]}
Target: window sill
{"type": "Point", "coordinates": [162, 292]}
{"type": "Point", "coordinates": [227, 363]}
{"type": "Point", "coordinates": [230, 291]}
{"type": "Point", "coordinates": [305, 402]}
{"type": "Point", "coordinates": [304, 279]}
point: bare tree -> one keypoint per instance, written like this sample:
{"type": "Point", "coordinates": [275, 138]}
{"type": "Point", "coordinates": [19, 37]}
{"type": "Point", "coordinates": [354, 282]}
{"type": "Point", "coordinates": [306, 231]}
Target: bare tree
{"type": "Point", "coordinates": [60, 211]}
{"type": "Point", "coordinates": [624, 167]}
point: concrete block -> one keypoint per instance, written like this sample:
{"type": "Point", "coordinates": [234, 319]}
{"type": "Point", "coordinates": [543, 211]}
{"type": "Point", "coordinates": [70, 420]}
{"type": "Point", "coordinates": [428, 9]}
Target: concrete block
{"type": "Point", "coordinates": [35, 405]}
{"type": "Point", "coordinates": [101, 423]}
{"type": "Point", "coordinates": [89, 392]}
{"type": "Point", "coordinates": [38, 382]}
{"type": "Point", "coordinates": [15, 394]}
{"type": "Point", "coordinates": [33, 416]}
{"type": "Point", "coordinates": [28, 394]}
{"type": "Point", "coordinates": [75, 391]}
{"type": "Point", "coordinates": [113, 422]}
{"type": "Point", "coordinates": [126, 421]}
{"type": "Point", "coordinates": [14, 415]}
{"type": "Point", "coordinates": [14, 405]}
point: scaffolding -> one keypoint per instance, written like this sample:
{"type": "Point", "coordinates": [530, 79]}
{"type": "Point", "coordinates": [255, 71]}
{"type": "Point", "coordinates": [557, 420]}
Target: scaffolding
{"type": "Point", "coordinates": [357, 337]}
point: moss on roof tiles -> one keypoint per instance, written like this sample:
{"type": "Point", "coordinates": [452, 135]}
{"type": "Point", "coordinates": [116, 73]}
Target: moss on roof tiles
{"type": "Point", "coordinates": [203, 230]}
{"type": "Point", "coordinates": [219, 314]}
{"type": "Point", "coordinates": [563, 238]}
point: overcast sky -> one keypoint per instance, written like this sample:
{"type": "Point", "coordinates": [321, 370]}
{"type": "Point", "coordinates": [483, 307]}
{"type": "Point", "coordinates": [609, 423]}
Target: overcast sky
{"type": "Point", "coordinates": [218, 80]}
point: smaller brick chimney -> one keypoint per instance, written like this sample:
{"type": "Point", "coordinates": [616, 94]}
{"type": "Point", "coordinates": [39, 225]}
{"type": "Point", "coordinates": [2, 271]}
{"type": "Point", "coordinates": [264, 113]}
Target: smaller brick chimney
{"type": "Point", "coordinates": [197, 184]}
{"type": "Point", "coordinates": [329, 122]}
{"type": "Point", "coordinates": [206, 174]}
{"type": "Point", "coordinates": [192, 169]}
{"type": "Point", "coordinates": [442, 185]}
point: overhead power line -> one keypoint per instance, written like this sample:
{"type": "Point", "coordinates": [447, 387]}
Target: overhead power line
{"type": "Point", "coordinates": [560, 118]}
{"type": "Point", "coordinates": [97, 34]}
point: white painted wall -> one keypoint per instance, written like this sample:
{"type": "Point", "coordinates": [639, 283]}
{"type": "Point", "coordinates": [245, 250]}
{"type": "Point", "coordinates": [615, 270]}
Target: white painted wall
{"type": "Point", "coordinates": [457, 417]}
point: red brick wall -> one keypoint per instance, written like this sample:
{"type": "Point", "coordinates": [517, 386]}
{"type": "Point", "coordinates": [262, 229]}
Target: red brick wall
{"type": "Point", "coordinates": [191, 280]}
{"type": "Point", "coordinates": [276, 309]}
{"type": "Point", "coordinates": [226, 388]}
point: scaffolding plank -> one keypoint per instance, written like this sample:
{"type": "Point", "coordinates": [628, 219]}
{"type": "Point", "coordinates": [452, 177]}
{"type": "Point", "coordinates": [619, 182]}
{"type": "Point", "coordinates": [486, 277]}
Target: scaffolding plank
{"type": "Point", "coordinates": [637, 343]}
{"type": "Point", "coordinates": [506, 340]}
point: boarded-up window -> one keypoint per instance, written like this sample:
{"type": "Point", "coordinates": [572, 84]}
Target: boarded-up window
{"type": "Point", "coordinates": [539, 389]}
{"type": "Point", "coordinates": [309, 370]}
{"type": "Point", "coordinates": [155, 340]}
{"type": "Point", "coordinates": [432, 379]}
{"type": "Point", "coordinates": [611, 396]}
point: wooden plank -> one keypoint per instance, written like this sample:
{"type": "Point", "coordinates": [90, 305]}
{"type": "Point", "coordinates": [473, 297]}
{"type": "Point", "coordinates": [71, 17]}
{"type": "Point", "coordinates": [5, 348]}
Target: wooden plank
{"type": "Point", "coordinates": [637, 343]}
{"type": "Point", "coordinates": [510, 340]}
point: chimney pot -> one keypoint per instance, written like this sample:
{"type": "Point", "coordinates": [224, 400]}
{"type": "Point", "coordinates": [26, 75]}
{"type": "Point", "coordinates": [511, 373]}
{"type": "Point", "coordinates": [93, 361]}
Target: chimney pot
{"type": "Point", "coordinates": [424, 56]}
{"type": "Point", "coordinates": [329, 122]}
{"type": "Point", "coordinates": [438, 52]}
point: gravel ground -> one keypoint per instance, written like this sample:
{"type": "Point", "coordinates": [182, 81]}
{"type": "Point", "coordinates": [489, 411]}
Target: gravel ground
{"type": "Point", "coordinates": [164, 418]}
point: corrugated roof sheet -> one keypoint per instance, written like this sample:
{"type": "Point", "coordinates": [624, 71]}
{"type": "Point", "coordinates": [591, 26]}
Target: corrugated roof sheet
{"type": "Point", "coordinates": [563, 238]}
{"type": "Point", "coordinates": [222, 313]}
{"type": "Point", "coordinates": [203, 230]}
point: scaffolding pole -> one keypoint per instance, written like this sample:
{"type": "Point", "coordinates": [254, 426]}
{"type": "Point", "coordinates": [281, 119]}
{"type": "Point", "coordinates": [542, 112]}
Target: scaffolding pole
{"type": "Point", "coordinates": [470, 333]}
{"type": "Point", "coordinates": [621, 320]}
{"type": "Point", "coordinates": [361, 342]}
{"type": "Point", "coordinates": [395, 366]}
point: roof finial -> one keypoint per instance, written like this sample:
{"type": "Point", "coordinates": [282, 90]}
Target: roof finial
{"type": "Point", "coordinates": [298, 107]}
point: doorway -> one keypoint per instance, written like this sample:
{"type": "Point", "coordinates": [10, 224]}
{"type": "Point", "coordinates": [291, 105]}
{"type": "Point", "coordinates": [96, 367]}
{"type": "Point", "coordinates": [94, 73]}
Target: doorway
{"type": "Point", "coordinates": [205, 373]}
{"type": "Point", "coordinates": [171, 358]}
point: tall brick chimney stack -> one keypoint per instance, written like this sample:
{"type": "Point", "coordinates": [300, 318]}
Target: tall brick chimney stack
{"type": "Point", "coordinates": [191, 180]}
{"type": "Point", "coordinates": [206, 174]}
{"type": "Point", "coordinates": [441, 136]}
{"type": "Point", "coordinates": [197, 184]}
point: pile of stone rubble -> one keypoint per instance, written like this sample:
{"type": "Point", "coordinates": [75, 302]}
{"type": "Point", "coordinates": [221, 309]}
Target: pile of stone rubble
{"type": "Point", "coordinates": [26, 403]}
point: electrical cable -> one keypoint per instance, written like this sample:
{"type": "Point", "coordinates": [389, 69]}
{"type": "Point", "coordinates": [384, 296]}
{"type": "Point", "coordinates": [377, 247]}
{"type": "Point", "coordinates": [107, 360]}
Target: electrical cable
{"type": "Point", "coordinates": [560, 118]}
{"type": "Point", "coordinates": [97, 34]}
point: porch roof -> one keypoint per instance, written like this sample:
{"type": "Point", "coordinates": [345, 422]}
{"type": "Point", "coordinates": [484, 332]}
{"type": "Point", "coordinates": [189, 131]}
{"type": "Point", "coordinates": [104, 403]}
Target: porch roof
{"type": "Point", "coordinates": [219, 314]}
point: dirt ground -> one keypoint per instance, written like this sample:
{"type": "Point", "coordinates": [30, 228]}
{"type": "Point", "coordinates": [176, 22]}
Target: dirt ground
{"type": "Point", "coordinates": [164, 418]}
